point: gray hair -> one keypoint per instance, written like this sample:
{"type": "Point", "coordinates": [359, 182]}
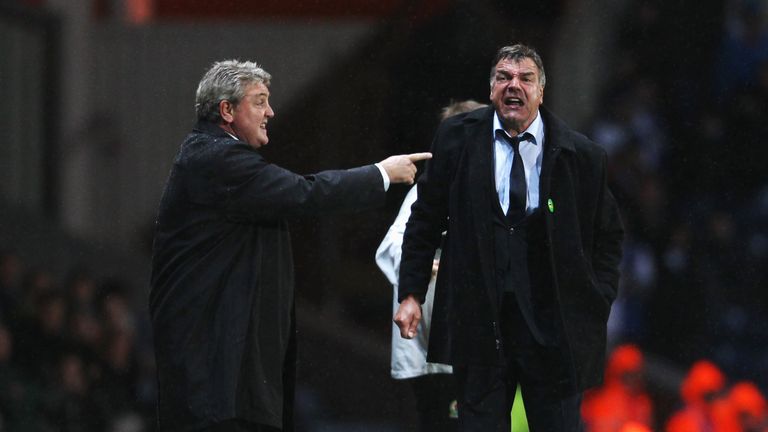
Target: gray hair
{"type": "Point", "coordinates": [516, 53]}
{"type": "Point", "coordinates": [226, 80]}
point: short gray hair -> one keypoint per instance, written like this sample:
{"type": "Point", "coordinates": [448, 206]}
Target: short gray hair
{"type": "Point", "coordinates": [518, 52]}
{"type": "Point", "coordinates": [226, 80]}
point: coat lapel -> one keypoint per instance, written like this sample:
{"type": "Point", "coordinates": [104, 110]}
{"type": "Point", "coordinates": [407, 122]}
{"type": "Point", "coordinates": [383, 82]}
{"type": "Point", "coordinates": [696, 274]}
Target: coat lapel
{"type": "Point", "coordinates": [480, 186]}
{"type": "Point", "coordinates": [554, 142]}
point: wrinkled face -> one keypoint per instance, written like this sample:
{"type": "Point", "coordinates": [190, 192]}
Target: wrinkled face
{"type": "Point", "coordinates": [516, 93]}
{"type": "Point", "coordinates": [248, 119]}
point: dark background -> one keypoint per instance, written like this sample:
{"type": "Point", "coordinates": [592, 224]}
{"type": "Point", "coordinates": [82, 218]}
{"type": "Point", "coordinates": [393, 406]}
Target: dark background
{"type": "Point", "coordinates": [99, 94]}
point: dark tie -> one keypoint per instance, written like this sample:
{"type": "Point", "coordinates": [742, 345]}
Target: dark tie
{"type": "Point", "coordinates": [517, 185]}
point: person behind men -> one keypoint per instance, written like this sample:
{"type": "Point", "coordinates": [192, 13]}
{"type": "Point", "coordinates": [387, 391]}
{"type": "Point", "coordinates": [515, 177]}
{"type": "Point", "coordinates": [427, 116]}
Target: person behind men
{"type": "Point", "coordinates": [222, 284]}
{"type": "Point", "coordinates": [431, 383]}
{"type": "Point", "coordinates": [529, 267]}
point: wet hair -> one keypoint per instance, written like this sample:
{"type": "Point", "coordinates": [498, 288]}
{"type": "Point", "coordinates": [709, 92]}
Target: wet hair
{"type": "Point", "coordinates": [226, 80]}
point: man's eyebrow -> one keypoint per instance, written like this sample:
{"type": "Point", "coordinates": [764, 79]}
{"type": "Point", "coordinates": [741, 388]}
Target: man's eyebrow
{"type": "Point", "coordinates": [524, 73]}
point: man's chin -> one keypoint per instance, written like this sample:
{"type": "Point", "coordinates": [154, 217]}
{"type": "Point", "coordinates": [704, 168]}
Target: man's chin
{"type": "Point", "coordinates": [512, 123]}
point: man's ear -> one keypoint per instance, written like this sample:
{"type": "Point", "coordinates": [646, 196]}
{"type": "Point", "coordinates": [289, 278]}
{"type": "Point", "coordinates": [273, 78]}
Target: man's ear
{"type": "Point", "coordinates": [226, 109]}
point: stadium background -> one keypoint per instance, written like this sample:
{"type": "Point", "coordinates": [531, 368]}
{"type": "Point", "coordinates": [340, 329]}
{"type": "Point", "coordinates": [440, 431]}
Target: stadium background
{"type": "Point", "coordinates": [99, 93]}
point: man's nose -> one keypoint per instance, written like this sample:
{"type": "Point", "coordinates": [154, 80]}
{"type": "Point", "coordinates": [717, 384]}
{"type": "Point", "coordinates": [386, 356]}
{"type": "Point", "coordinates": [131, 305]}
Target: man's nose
{"type": "Point", "coordinates": [514, 83]}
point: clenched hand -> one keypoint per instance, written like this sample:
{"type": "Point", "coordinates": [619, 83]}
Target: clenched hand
{"type": "Point", "coordinates": [408, 317]}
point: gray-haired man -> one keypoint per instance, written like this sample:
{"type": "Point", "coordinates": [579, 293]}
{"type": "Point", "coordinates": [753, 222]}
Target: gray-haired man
{"type": "Point", "coordinates": [222, 300]}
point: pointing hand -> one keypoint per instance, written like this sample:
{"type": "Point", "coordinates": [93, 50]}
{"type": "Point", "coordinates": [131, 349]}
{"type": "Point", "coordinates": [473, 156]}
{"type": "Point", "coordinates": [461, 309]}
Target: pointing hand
{"type": "Point", "coordinates": [401, 168]}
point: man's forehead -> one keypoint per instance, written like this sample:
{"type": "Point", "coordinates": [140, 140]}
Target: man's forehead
{"type": "Point", "coordinates": [257, 89]}
{"type": "Point", "coordinates": [522, 65]}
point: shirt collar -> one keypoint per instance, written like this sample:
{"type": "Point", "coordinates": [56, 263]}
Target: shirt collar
{"type": "Point", "coordinates": [536, 127]}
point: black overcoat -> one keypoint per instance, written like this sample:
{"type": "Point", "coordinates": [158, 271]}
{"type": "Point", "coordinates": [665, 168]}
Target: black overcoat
{"type": "Point", "coordinates": [222, 285]}
{"type": "Point", "coordinates": [583, 230]}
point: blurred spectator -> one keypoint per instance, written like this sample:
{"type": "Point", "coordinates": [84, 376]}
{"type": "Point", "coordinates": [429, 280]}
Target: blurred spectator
{"type": "Point", "coordinates": [749, 406]}
{"type": "Point", "coordinates": [635, 427]}
{"type": "Point", "coordinates": [18, 399]}
{"type": "Point", "coordinates": [621, 403]}
{"type": "Point", "coordinates": [677, 332]}
{"type": "Point", "coordinates": [747, 127]}
{"type": "Point", "coordinates": [81, 291]}
{"type": "Point", "coordinates": [116, 388]}
{"type": "Point", "coordinates": [744, 46]}
{"type": "Point", "coordinates": [76, 366]}
{"type": "Point", "coordinates": [69, 405]}
{"type": "Point", "coordinates": [115, 309]}
{"type": "Point", "coordinates": [629, 314]}
{"type": "Point", "coordinates": [10, 279]}
{"type": "Point", "coordinates": [701, 389]}
{"type": "Point", "coordinates": [43, 339]}
{"type": "Point", "coordinates": [35, 284]}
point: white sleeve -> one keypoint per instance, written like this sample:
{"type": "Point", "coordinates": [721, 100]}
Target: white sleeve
{"type": "Point", "coordinates": [384, 176]}
{"type": "Point", "coordinates": [391, 248]}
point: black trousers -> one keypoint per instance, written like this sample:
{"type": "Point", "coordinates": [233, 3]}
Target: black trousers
{"type": "Point", "coordinates": [486, 393]}
{"type": "Point", "coordinates": [435, 393]}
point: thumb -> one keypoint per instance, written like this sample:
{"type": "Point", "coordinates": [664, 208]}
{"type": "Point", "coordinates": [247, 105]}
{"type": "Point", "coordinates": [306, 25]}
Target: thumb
{"type": "Point", "coordinates": [415, 157]}
{"type": "Point", "coordinates": [413, 326]}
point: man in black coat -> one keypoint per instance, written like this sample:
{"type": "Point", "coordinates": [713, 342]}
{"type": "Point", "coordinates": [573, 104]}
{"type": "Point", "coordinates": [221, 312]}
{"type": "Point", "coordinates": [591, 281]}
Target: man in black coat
{"type": "Point", "coordinates": [530, 260]}
{"type": "Point", "coordinates": [222, 299]}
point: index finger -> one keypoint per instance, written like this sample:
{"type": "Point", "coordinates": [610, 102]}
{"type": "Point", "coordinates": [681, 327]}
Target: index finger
{"type": "Point", "coordinates": [414, 157]}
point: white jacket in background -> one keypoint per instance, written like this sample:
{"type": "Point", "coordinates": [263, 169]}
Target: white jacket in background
{"type": "Point", "coordinates": [409, 356]}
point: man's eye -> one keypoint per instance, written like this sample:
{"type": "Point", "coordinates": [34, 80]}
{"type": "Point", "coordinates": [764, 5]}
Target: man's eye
{"type": "Point", "coordinates": [501, 78]}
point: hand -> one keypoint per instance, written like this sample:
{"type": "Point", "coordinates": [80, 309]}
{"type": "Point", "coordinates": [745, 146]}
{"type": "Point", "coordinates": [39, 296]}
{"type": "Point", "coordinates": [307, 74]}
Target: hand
{"type": "Point", "coordinates": [408, 317]}
{"type": "Point", "coordinates": [401, 168]}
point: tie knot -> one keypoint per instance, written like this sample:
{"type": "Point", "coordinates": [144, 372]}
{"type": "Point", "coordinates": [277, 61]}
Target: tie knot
{"type": "Point", "coordinates": [516, 140]}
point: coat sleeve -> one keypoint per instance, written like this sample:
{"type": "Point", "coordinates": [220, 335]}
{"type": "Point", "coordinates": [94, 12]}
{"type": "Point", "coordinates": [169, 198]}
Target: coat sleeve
{"type": "Point", "coordinates": [429, 216]}
{"type": "Point", "coordinates": [609, 234]}
{"type": "Point", "coordinates": [254, 186]}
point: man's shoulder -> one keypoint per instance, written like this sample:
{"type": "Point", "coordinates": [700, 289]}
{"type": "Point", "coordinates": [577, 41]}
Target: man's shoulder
{"type": "Point", "coordinates": [206, 145]}
{"type": "Point", "coordinates": [208, 133]}
{"type": "Point", "coordinates": [569, 138]}
{"type": "Point", "coordinates": [457, 129]}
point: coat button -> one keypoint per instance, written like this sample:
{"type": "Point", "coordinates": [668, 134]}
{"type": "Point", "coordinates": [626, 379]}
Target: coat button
{"type": "Point", "coordinates": [511, 230]}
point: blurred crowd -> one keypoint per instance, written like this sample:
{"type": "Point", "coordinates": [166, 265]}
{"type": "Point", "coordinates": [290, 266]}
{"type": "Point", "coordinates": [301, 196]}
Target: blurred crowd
{"type": "Point", "coordinates": [684, 125]}
{"type": "Point", "coordinates": [708, 401]}
{"type": "Point", "coordinates": [73, 355]}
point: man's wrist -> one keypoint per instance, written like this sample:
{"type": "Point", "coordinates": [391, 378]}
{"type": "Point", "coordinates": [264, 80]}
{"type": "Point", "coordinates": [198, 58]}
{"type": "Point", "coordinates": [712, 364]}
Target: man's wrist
{"type": "Point", "coordinates": [384, 176]}
{"type": "Point", "coordinates": [415, 297]}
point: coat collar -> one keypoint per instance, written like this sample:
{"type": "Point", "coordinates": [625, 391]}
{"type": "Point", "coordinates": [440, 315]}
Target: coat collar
{"type": "Point", "coordinates": [210, 128]}
{"type": "Point", "coordinates": [557, 133]}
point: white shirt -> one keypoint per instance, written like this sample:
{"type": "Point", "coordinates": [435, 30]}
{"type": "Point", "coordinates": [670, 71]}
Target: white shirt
{"type": "Point", "coordinates": [531, 150]}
